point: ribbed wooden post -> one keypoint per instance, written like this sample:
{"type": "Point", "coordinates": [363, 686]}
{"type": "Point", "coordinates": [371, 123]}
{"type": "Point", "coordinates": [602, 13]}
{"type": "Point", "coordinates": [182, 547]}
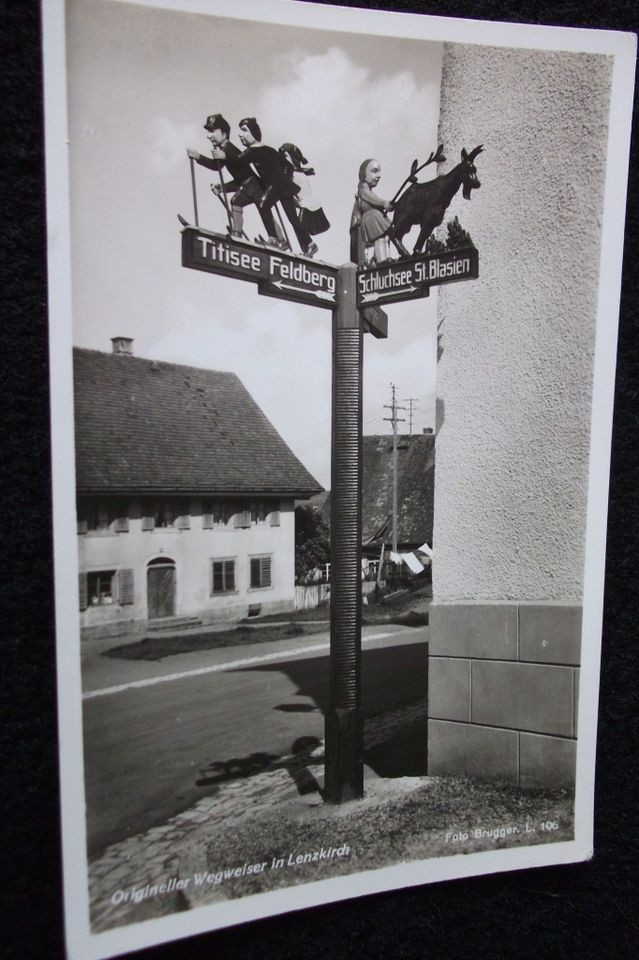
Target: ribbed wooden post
{"type": "Point", "coordinates": [344, 728]}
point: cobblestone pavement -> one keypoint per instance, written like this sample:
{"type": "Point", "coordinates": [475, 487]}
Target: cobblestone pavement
{"type": "Point", "coordinates": [126, 868]}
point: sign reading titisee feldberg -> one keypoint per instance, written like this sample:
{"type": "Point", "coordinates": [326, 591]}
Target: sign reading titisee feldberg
{"type": "Point", "coordinates": [411, 277]}
{"type": "Point", "coordinates": [277, 274]}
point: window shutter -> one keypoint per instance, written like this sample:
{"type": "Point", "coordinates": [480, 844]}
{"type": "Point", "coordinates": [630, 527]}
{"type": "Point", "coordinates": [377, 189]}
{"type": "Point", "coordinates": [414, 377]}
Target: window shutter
{"type": "Point", "coordinates": [184, 522]}
{"type": "Point", "coordinates": [275, 518]}
{"type": "Point", "coordinates": [82, 526]}
{"type": "Point", "coordinates": [82, 583]}
{"type": "Point", "coordinates": [207, 521]}
{"type": "Point", "coordinates": [230, 575]}
{"type": "Point", "coordinates": [266, 571]}
{"type": "Point", "coordinates": [125, 585]}
{"type": "Point", "coordinates": [121, 525]}
{"type": "Point", "coordinates": [255, 573]}
{"type": "Point", "coordinates": [148, 523]}
{"type": "Point", "coordinates": [243, 518]}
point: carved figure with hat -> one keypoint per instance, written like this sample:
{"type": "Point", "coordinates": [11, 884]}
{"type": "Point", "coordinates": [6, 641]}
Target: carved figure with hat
{"type": "Point", "coordinates": [245, 187]}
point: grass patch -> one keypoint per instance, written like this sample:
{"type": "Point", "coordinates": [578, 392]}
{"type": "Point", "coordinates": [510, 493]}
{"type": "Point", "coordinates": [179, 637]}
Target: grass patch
{"type": "Point", "coordinates": [157, 648]}
{"type": "Point", "coordinates": [294, 616]}
{"type": "Point", "coordinates": [392, 612]}
{"type": "Point", "coordinates": [379, 614]}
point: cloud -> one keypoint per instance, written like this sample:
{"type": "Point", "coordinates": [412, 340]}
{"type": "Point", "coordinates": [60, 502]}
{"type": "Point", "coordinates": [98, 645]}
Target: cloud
{"type": "Point", "coordinates": [340, 113]}
{"type": "Point", "coordinates": [338, 95]}
{"type": "Point", "coordinates": [167, 143]}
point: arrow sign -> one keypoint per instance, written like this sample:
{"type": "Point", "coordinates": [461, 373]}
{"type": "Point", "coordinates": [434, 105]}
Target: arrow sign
{"type": "Point", "coordinates": [412, 277]}
{"type": "Point", "coordinates": [276, 273]}
{"type": "Point", "coordinates": [404, 292]}
{"type": "Point", "coordinates": [320, 294]}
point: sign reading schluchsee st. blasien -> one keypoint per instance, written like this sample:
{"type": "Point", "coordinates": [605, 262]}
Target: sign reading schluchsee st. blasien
{"type": "Point", "coordinates": [411, 277]}
{"type": "Point", "coordinates": [277, 274]}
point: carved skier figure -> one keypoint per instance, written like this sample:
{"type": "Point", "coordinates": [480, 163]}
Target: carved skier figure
{"type": "Point", "coordinates": [369, 223]}
{"type": "Point", "coordinates": [278, 187]}
{"type": "Point", "coordinates": [244, 188]}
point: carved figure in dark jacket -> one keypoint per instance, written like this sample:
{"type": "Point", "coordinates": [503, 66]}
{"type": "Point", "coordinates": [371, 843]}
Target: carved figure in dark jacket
{"type": "Point", "coordinates": [279, 188]}
{"type": "Point", "coordinates": [244, 188]}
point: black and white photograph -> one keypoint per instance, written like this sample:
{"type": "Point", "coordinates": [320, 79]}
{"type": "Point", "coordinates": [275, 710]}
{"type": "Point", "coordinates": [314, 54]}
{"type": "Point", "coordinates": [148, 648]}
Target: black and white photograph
{"type": "Point", "coordinates": [333, 319]}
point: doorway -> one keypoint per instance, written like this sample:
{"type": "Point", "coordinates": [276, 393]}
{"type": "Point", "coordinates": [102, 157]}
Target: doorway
{"type": "Point", "coordinates": [160, 588]}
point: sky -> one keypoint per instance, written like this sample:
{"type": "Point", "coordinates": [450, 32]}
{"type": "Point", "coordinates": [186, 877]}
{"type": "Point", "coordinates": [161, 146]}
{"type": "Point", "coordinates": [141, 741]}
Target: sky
{"type": "Point", "coordinates": [141, 82]}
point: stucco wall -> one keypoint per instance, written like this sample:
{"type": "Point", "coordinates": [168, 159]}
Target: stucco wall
{"type": "Point", "coordinates": [515, 376]}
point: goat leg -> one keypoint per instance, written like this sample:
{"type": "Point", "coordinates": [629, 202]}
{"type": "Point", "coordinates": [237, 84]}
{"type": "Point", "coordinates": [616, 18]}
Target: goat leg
{"type": "Point", "coordinates": [397, 241]}
{"type": "Point", "coordinates": [424, 234]}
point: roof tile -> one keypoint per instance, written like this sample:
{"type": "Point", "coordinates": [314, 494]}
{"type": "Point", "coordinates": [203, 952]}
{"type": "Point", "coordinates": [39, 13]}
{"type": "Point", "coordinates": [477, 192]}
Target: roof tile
{"type": "Point", "coordinates": [145, 425]}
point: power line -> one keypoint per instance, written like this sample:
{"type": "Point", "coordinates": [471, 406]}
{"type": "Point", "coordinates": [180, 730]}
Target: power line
{"type": "Point", "coordinates": [411, 401]}
{"type": "Point", "coordinates": [394, 420]}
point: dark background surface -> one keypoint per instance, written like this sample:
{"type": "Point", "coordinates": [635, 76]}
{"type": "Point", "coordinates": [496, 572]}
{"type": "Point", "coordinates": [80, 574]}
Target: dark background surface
{"type": "Point", "coordinates": [586, 910]}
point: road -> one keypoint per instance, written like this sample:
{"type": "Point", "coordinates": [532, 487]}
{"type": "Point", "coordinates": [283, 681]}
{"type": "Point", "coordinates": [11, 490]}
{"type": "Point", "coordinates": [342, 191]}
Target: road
{"type": "Point", "coordinates": [162, 736]}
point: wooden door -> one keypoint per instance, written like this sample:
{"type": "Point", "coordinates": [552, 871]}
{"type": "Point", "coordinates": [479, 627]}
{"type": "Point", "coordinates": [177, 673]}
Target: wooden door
{"type": "Point", "coordinates": [161, 591]}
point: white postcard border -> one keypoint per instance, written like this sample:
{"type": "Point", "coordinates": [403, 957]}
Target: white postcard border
{"type": "Point", "coordinates": [82, 944]}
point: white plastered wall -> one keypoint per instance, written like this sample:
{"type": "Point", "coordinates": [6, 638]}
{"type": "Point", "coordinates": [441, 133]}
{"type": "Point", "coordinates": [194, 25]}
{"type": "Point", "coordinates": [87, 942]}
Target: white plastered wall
{"type": "Point", "coordinates": [515, 376]}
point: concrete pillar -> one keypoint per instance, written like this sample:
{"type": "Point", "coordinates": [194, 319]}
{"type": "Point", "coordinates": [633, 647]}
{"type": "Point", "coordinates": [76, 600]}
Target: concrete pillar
{"type": "Point", "coordinates": [514, 395]}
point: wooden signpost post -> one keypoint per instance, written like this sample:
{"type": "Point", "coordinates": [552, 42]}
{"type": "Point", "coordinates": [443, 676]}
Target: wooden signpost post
{"type": "Point", "coordinates": [355, 297]}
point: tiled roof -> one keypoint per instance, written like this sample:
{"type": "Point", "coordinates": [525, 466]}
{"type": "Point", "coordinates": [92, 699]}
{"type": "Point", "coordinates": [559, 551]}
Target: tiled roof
{"type": "Point", "coordinates": [415, 489]}
{"type": "Point", "coordinates": [142, 425]}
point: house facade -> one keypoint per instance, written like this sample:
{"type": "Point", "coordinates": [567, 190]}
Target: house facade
{"type": "Point", "coordinates": [185, 496]}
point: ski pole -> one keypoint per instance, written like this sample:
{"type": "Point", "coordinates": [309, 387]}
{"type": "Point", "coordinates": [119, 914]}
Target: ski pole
{"type": "Point", "coordinates": [197, 222]}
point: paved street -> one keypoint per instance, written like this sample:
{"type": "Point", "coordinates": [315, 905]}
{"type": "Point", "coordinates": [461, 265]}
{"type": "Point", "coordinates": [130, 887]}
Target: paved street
{"type": "Point", "coordinates": [159, 737]}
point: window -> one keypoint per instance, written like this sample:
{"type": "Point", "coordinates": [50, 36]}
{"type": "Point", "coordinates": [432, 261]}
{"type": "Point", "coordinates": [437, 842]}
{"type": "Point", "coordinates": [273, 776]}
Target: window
{"type": "Point", "coordinates": [166, 513]}
{"type": "Point", "coordinates": [260, 572]}
{"type": "Point", "coordinates": [223, 576]}
{"type": "Point", "coordinates": [216, 513]}
{"type": "Point", "coordinates": [101, 588]}
{"type": "Point", "coordinates": [259, 511]}
{"type": "Point", "coordinates": [103, 516]}
{"type": "Point", "coordinates": [105, 588]}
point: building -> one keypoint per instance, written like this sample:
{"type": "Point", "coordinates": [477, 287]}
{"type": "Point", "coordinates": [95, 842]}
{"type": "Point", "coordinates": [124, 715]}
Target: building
{"type": "Point", "coordinates": [185, 496]}
{"type": "Point", "coordinates": [415, 489]}
{"type": "Point", "coordinates": [415, 493]}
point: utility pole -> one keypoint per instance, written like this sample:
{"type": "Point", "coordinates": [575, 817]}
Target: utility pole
{"type": "Point", "coordinates": [344, 726]}
{"type": "Point", "coordinates": [410, 401]}
{"type": "Point", "coordinates": [394, 420]}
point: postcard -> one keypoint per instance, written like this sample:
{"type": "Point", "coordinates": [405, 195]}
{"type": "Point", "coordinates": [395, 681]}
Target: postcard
{"type": "Point", "coordinates": [333, 314]}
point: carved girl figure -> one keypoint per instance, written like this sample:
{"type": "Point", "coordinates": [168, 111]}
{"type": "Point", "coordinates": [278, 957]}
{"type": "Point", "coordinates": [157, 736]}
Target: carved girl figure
{"type": "Point", "coordinates": [369, 223]}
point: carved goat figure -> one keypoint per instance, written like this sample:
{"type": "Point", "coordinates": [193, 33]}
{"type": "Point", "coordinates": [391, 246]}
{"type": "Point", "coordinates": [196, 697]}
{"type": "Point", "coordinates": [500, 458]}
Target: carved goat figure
{"type": "Point", "coordinates": [426, 203]}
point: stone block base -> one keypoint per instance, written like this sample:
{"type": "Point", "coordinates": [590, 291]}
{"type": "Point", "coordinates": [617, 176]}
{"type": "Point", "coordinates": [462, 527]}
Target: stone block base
{"type": "Point", "coordinates": [503, 688]}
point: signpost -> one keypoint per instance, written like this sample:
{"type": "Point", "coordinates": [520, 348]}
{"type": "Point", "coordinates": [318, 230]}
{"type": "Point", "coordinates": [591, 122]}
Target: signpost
{"type": "Point", "coordinates": [277, 274]}
{"type": "Point", "coordinates": [412, 277]}
{"type": "Point", "coordinates": [355, 297]}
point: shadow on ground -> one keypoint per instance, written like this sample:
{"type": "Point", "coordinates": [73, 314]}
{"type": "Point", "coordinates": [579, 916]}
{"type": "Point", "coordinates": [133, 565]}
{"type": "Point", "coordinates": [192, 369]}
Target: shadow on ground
{"type": "Point", "coordinates": [295, 763]}
{"type": "Point", "coordinates": [393, 679]}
